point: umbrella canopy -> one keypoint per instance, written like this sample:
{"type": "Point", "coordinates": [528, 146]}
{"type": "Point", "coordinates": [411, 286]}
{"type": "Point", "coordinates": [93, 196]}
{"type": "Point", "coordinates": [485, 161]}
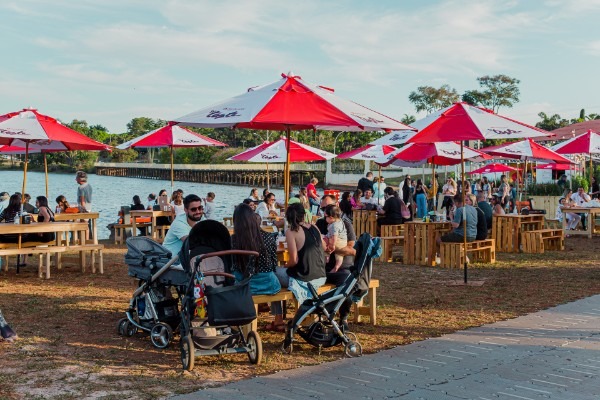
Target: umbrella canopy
{"type": "Point", "coordinates": [462, 121]}
{"type": "Point", "coordinates": [442, 153]}
{"type": "Point", "coordinates": [368, 152]}
{"type": "Point", "coordinates": [588, 143]}
{"type": "Point", "coordinates": [291, 104]}
{"type": "Point", "coordinates": [170, 136]}
{"type": "Point", "coordinates": [557, 166]}
{"type": "Point", "coordinates": [492, 168]}
{"type": "Point", "coordinates": [276, 152]}
{"type": "Point", "coordinates": [28, 128]}
{"type": "Point", "coordinates": [527, 150]}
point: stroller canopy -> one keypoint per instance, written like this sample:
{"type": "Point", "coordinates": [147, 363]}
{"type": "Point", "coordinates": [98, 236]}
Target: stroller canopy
{"type": "Point", "coordinates": [206, 237]}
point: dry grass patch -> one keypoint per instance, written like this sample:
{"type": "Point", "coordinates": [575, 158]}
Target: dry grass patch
{"type": "Point", "coordinates": [69, 347]}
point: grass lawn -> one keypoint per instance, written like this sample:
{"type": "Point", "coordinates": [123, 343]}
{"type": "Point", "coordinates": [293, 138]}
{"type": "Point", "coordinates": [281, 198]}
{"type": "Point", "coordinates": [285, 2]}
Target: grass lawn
{"type": "Point", "coordinates": [69, 347]}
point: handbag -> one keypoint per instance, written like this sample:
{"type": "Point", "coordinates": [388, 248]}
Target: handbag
{"type": "Point", "coordinates": [404, 210]}
{"type": "Point", "coordinates": [230, 305]}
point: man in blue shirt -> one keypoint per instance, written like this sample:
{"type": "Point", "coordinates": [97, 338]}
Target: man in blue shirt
{"type": "Point", "coordinates": [181, 226]}
{"type": "Point", "coordinates": [457, 234]}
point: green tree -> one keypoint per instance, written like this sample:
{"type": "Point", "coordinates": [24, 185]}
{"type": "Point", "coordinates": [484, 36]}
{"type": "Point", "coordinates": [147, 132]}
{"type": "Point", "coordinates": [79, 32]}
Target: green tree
{"type": "Point", "coordinates": [429, 99]}
{"type": "Point", "coordinates": [551, 122]}
{"type": "Point", "coordinates": [408, 119]}
{"type": "Point", "coordinates": [498, 91]}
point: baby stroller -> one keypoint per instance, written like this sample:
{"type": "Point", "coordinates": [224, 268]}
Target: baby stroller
{"type": "Point", "coordinates": [325, 331]}
{"type": "Point", "coordinates": [214, 309]}
{"type": "Point", "coordinates": [152, 307]}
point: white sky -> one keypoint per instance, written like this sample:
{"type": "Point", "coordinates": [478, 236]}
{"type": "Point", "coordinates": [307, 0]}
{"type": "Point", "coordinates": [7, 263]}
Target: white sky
{"type": "Point", "coordinates": [109, 61]}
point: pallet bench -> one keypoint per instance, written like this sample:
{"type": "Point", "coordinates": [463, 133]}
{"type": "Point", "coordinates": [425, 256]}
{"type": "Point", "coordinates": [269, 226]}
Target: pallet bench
{"type": "Point", "coordinates": [391, 236]}
{"type": "Point", "coordinates": [44, 252]}
{"type": "Point", "coordinates": [358, 308]}
{"type": "Point", "coordinates": [537, 242]}
{"type": "Point", "coordinates": [453, 256]}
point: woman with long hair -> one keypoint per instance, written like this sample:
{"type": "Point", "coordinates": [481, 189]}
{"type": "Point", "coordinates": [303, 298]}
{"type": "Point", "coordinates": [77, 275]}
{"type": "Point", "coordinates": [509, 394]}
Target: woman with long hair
{"type": "Point", "coordinates": [254, 195]}
{"type": "Point", "coordinates": [45, 214]}
{"type": "Point", "coordinates": [345, 205]}
{"type": "Point", "coordinates": [421, 199]}
{"type": "Point", "coordinates": [249, 236]}
{"type": "Point", "coordinates": [62, 204]}
{"type": "Point", "coordinates": [504, 191]}
{"type": "Point", "coordinates": [449, 191]}
{"type": "Point", "coordinates": [355, 200]}
{"type": "Point", "coordinates": [407, 195]}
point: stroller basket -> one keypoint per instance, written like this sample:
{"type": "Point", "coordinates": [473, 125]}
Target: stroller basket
{"type": "Point", "coordinates": [230, 305]}
{"type": "Point", "coordinates": [145, 257]}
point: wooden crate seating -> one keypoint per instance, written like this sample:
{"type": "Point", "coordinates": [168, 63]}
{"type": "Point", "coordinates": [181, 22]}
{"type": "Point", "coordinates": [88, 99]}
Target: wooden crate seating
{"type": "Point", "coordinates": [541, 240]}
{"type": "Point", "coordinates": [364, 221]}
{"type": "Point", "coordinates": [359, 309]}
{"type": "Point", "coordinates": [391, 236]}
{"type": "Point", "coordinates": [160, 232]}
{"type": "Point", "coordinates": [552, 224]}
{"type": "Point", "coordinates": [453, 256]}
{"type": "Point", "coordinates": [44, 253]}
{"type": "Point", "coordinates": [507, 229]}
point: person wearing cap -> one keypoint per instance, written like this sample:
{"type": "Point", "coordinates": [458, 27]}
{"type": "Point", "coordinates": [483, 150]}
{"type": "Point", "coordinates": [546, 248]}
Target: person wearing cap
{"type": "Point", "coordinates": [4, 197]}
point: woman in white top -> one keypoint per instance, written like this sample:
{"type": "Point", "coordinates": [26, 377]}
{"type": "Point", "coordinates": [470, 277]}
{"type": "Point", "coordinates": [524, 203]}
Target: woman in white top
{"type": "Point", "coordinates": [449, 191]}
{"type": "Point", "coordinates": [177, 204]}
{"type": "Point", "coordinates": [254, 195]}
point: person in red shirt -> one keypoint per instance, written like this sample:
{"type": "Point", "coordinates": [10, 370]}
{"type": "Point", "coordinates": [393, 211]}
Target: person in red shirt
{"type": "Point", "coordinates": [313, 197]}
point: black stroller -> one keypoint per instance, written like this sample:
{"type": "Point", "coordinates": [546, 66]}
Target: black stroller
{"type": "Point", "coordinates": [152, 307]}
{"type": "Point", "coordinates": [213, 309]}
{"type": "Point", "coordinates": [325, 331]}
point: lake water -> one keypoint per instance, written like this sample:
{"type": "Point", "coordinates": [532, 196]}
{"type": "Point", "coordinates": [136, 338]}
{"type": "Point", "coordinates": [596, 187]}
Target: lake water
{"type": "Point", "coordinates": [110, 193]}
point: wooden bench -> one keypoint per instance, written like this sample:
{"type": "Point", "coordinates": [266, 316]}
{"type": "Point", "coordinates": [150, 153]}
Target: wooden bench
{"type": "Point", "coordinates": [539, 241]}
{"type": "Point", "coordinates": [42, 251]}
{"type": "Point", "coordinates": [453, 256]}
{"type": "Point", "coordinates": [359, 309]}
{"type": "Point", "coordinates": [391, 236]}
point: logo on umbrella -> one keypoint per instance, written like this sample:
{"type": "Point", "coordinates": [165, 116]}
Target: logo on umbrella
{"type": "Point", "coordinates": [188, 141]}
{"type": "Point", "coordinates": [367, 118]}
{"type": "Point", "coordinates": [269, 157]}
{"type": "Point", "coordinates": [451, 153]}
{"type": "Point", "coordinates": [503, 131]}
{"type": "Point", "coordinates": [216, 114]}
{"type": "Point", "coordinates": [398, 136]}
{"type": "Point", "coordinates": [13, 133]}
{"type": "Point", "coordinates": [512, 151]}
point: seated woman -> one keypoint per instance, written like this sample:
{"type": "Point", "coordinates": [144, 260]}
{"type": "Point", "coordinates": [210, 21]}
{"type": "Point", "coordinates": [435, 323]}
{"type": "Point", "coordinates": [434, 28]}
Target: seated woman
{"type": "Point", "coordinates": [138, 206]}
{"type": "Point", "coordinates": [249, 236]}
{"type": "Point", "coordinates": [355, 200]}
{"type": "Point", "coordinates": [306, 264]}
{"type": "Point", "coordinates": [392, 209]}
{"type": "Point", "coordinates": [177, 204]}
{"type": "Point", "coordinates": [497, 208]}
{"type": "Point", "coordinates": [62, 204]}
{"type": "Point", "coordinates": [45, 214]}
{"type": "Point", "coordinates": [345, 205]}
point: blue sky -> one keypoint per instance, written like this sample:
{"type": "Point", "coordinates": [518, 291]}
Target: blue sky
{"type": "Point", "coordinates": [108, 61]}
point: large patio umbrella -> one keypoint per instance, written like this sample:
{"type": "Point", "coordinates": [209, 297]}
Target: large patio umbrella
{"type": "Point", "coordinates": [171, 136]}
{"type": "Point", "coordinates": [557, 167]}
{"type": "Point", "coordinates": [279, 151]}
{"type": "Point", "coordinates": [291, 104]}
{"type": "Point", "coordinates": [462, 121]}
{"type": "Point", "coordinates": [36, 132]}
{"type": "Point", "coordinates": [369, 152]}
{"type": "Point", "coordinates": [588, 143]}
{"type": "Point", "coordinates": [493, 168]}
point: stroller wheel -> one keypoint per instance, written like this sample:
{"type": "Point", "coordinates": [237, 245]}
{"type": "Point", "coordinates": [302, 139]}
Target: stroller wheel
{"type": "Point", "coordinates": [129, 329]}
{"type": "Point", "coordinates": [254, 347]}
{"type": "Point", "coordinates": [123, 322]}
{"type": "Point", "coordinates": [161, 335]}
{"type": "Point", "coordinates": [287, 348]}
{"type": "Point", "coordinates": [353, 349]}
{"type": "Point", "coordinates": [188, 354]}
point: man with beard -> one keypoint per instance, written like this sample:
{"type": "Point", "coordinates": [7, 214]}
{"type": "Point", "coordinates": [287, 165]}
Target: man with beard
{"type": "Point", "coordinates": [181, 226]}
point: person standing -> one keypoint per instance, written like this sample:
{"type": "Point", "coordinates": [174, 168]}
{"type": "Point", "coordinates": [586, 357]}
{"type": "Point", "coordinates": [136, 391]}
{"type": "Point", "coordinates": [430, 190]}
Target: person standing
{"type": "Point", "coordinates": [379, 186]}
{"type": "Point", "coordinates": [366, 182]}
{"type": "Point", "coordinates": [407, 195]}
{"type": "Point", "coordinates": [595, 188]}
{"type": "Point", "coordinates": [84, 192]}
{"type": "Point", "coordinates": [313, 196]}
{"type": "Point", "coordinates": [421, 199]}
{"type": "Point", "coordinates": [209, 206]}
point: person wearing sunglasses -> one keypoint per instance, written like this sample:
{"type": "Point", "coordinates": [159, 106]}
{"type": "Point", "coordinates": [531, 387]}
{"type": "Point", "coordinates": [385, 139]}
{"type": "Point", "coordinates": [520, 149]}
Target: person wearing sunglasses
{"type": "Point", "coordinates": [183, 223]}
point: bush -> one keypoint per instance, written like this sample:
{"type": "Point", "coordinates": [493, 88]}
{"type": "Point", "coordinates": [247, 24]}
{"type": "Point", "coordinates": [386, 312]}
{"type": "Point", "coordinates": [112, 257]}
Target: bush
{"type": "Point", "coordinates": [545, 189]}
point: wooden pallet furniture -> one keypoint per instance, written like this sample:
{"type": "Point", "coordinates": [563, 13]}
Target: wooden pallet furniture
{"type": "Point", "coordinates": [391, 236]}
{"type": "Point", "coordinates": [359, 308]}
{"type": "Point", "coordinates": [507, 229]}
{"type": "Point", "coordinates": [539, 241]}
{"type": "Point", "coordinates": [364, 221]}
{"type": "Point", "coordinates": [590, 215]}
{"type": "Point", "coordinates": [551, 223]}
{"type": "Point", "coordinates": [420, 241]}
{"type": "Point", "coordinates": [452, 255]}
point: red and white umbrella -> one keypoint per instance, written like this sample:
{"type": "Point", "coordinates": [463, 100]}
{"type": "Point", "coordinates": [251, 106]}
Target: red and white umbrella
{"type": "Point", "coordinates": [493, 168]}
{"type": "Point", "coordinates": [369, 152]}
{"type": "Point", "coordinates": [441, 153]}
{"type": "Point", "coordinates": [588, 143]}
{"type": "Point", "coordinates": [527, 150]}
{"type": "Point", "coordinates": [36, 132]}
{"type": "Point", "coordinates": [171, 136]}
{"type": "Point", "coordinates": [291, 104]}
{"type": "Point", "coordinates": [276, 152]}
{"type": "Point", "coordinates": [557, 167]}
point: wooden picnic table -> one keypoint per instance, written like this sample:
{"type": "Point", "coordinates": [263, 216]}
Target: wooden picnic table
{"type": "Point", "coordinates": [92, 216]}
{"type": "Point", "coordinates": [147, 214]}
{"type": "Point", "coordinates": [506, 230]}
{"type": "Point", "coordinates": [420, 241]}
{"type": "Point", "coordinates": [591, 213]}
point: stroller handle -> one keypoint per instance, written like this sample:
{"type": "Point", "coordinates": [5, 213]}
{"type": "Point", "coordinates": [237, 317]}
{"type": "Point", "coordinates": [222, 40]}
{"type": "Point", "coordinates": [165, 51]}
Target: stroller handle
{"type": "Point", "coordinates": [228, 252]}
{"type": "Point", "coordinates": [224, 274]}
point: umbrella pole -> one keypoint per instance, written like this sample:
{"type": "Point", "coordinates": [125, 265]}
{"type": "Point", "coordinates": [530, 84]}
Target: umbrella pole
{"type": "Point", "coordinates": [24, 175]}
{"type": "Point", "coordinates": [434, 188]}
{"type": "Point", "coordinates": [591, 172]}
{"type": "Point", "coordinates": [46, 173]}
{"type": "Point", "coordinates": [464, 217]}
{"type": "Point", "coordinates": [268, 180]}
{"type": "Point", "coordinates": [287, 164]}
{"type": "Point", "coordinates": [379, 185]}
{"type": "Point", "coordinates": [172, 170]}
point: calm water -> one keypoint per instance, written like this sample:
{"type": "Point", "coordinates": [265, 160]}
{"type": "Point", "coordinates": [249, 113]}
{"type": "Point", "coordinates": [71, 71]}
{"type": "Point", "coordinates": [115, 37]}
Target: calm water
{"type": "Point", "coordinates": [110, 193]}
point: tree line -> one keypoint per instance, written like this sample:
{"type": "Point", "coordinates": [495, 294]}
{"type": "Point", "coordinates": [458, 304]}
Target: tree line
{"type": "Point", "coordinates": [493, 92]}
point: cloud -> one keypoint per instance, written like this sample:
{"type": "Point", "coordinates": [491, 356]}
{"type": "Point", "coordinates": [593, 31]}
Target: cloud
{"type": "Point", "coordinates": [592, 48]}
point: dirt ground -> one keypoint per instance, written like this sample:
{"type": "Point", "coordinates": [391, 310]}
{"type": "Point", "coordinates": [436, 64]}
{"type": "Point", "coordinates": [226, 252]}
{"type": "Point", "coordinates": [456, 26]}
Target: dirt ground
{"type": "Point", "coordinates": [69, 347]}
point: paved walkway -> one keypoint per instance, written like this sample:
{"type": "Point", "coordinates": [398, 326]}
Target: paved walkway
{"type": "Point", "coordinates": [552, 354]}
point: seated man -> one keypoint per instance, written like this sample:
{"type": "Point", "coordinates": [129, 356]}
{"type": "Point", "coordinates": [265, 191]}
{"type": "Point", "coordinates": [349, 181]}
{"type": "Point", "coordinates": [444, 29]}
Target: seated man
{"type": "Point", "coordinates": [457, 235]}
{"type": "Point", "coordinates": [337, 277]}
{"type": "Point", "coordinates": [183, 223]}
{"type": "Point", "coordinates": [485, 206]}
{"type": "Point", "coordinates": [580, 198]}
{"type": "Point", "coordinates": [369, 199]}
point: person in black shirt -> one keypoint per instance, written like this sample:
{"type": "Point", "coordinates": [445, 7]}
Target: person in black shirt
{"type": "Point", "coordinates": [391, 211]}
{"type": "Point", "coordinates": [595, 192]}
{"type": "Point", "coordinates": [138, 206]}
{"type": "Point", "coordinates": [485, 206]}
{"type": "Point", "coordinates": [366, 182]}
{"type": "Point", "coordinates": [482, 230]}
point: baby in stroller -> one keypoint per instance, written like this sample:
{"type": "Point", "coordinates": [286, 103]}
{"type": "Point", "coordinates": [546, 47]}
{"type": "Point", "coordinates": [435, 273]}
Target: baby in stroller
{"type": "Point", "coordinates": [325, 331]}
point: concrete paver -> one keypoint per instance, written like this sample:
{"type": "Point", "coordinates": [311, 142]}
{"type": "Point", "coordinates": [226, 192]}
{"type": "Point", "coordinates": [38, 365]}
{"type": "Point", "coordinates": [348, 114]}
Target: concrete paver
{"type": "Point", "coordinates": [551, 354]}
